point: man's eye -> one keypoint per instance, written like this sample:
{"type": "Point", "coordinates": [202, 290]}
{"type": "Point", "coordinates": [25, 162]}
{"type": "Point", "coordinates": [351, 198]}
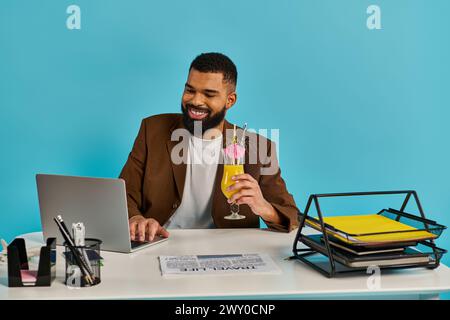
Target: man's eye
{"type": "Point", "coordinates": [189, 90]}
{"type": "Point", "coordinates": [209, 95]}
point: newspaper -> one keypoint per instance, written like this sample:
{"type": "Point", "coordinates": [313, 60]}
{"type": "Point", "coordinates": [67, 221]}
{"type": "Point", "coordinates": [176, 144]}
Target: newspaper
{"type": "Point", "coordinates": [218, 264]}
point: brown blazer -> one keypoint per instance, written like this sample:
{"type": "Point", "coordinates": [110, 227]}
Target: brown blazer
{"type": "Point", "coordinates": [155, 184]}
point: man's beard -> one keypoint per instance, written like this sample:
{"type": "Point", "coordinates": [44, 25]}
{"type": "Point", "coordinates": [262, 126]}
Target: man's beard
{"type": "Point", "coordinates": [211, 121]}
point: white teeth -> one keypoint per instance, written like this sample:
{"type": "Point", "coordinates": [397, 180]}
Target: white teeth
{"type": "Point", "coordinates": [198, 112]}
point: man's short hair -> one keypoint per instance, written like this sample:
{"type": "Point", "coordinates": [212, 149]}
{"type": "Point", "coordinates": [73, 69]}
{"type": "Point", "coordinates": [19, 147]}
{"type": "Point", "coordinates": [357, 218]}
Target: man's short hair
{"type": "Point", "coordinates": [217, 63]}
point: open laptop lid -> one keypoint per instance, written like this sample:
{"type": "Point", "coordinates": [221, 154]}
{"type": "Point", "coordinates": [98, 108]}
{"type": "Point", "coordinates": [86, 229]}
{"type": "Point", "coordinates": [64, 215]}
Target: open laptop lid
{"type": "Point", "coordinates": [100, 203]}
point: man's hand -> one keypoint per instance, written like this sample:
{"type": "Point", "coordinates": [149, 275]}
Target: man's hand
{"type": "Point", "coordinates": [250, 193]}
{"type": "Point", "coordinates": [142, 229]}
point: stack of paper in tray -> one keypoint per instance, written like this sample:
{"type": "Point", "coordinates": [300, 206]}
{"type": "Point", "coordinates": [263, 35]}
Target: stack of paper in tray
{"type": "Point", "coordinates": [365, 240]}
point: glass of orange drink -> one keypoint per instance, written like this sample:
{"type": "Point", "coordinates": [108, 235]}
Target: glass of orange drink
{"type": "Point", "coordinates": [231, 168]}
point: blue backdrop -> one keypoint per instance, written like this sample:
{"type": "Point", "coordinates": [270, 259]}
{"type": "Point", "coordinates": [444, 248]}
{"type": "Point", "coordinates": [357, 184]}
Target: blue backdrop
{"type": "Point", "coordinates": [357, 109]}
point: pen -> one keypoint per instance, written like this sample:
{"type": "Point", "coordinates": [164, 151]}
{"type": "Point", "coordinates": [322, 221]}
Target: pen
{"type": "Point", "coordinates": [63, 224]}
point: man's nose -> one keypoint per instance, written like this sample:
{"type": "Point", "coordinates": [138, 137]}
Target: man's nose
{"type": "Point", "coordinates": [197, 100]}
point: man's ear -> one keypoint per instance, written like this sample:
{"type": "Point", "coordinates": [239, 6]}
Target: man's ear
{"type": "Point", "coordinates": [231, 100]}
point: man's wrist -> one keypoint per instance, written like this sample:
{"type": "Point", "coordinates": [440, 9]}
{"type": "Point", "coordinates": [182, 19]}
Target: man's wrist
{"type": "Point", "coordinates": [270, 214]}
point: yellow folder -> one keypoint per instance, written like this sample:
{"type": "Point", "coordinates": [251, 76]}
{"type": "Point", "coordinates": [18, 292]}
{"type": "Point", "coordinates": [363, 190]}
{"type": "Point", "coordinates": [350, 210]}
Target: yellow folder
{"type": "Point", "coordinates": [373, 223]}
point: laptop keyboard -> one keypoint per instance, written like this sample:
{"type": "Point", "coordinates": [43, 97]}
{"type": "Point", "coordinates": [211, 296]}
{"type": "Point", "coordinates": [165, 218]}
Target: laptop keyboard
{"type": "Point", "coordinates": [135, 244]}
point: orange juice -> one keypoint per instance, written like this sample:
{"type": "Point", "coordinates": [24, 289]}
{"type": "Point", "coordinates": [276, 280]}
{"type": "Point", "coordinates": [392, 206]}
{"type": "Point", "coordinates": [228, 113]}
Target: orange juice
{"type": "Point", "coordinates": [230, 170]}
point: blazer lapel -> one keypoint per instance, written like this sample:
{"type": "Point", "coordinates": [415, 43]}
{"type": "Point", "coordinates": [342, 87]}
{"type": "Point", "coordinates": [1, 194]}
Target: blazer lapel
{"type": "Point", "coordinates": [179, 170]}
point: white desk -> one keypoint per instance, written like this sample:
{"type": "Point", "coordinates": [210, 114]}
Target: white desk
{"type": "Point", "coordinates": [138, 275]}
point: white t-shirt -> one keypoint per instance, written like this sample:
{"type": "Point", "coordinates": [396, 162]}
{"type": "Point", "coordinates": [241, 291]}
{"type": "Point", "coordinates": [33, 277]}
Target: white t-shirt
{"type": "Point", "coordinates": [194, 211]}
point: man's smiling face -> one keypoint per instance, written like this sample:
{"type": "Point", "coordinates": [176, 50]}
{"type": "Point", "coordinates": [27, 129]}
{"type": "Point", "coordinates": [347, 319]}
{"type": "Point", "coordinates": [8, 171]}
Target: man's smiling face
{"type": "Point", "coordinates": [206, 98]}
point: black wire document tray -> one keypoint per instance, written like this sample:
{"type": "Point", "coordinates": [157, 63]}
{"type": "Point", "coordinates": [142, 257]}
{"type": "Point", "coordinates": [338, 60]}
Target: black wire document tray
{"type": "Point", "coordinates": [388, 239]}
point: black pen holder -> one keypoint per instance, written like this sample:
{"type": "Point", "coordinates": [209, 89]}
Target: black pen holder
{"type": "Point", "coordinates": [90, 252]}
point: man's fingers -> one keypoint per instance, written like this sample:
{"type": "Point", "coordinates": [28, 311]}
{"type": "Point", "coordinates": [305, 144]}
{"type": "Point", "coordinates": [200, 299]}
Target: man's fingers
{"type": "Point", "coordinates": [163, 232]}
{"type": "Point", "coordinates": [245, 200]}
{"type": "Point", "coordinates": [152, 230]}
{"type": "Point", "coordinates": [242, 193]}
{"type": "Point", "coordinates": [142, 226]}
{"type": "Point", "coordinates": [244, 176]}
{"type": "Point", "coordinates": [145, 230]}
{"type": "Point", "coordinates": [240, 184]}
{"type": "Point", "coordinates": [133, 230]}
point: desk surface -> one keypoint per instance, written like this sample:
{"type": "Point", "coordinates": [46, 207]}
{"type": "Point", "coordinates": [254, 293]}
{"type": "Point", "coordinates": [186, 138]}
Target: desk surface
{"type": "Point", "coordinates": [137, 275]}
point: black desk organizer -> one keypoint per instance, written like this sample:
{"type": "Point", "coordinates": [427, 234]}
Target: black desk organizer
{"type": "Point", "coordinates": [18, 261]}
{"type": "Point", "coordinates": [330, 267]}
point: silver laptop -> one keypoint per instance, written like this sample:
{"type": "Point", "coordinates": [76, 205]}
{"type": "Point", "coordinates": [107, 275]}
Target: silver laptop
{"type": "Point", "coordinates": [101, 204]}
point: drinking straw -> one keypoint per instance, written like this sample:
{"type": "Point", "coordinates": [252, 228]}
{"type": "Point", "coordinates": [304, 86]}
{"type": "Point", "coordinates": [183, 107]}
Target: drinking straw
{"type": "Point", "coordinates": [243, 137]}
{"type": "Point", "coordinates": [243, 134]}
{"type": "Point", "coordinates": [234, 144]}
